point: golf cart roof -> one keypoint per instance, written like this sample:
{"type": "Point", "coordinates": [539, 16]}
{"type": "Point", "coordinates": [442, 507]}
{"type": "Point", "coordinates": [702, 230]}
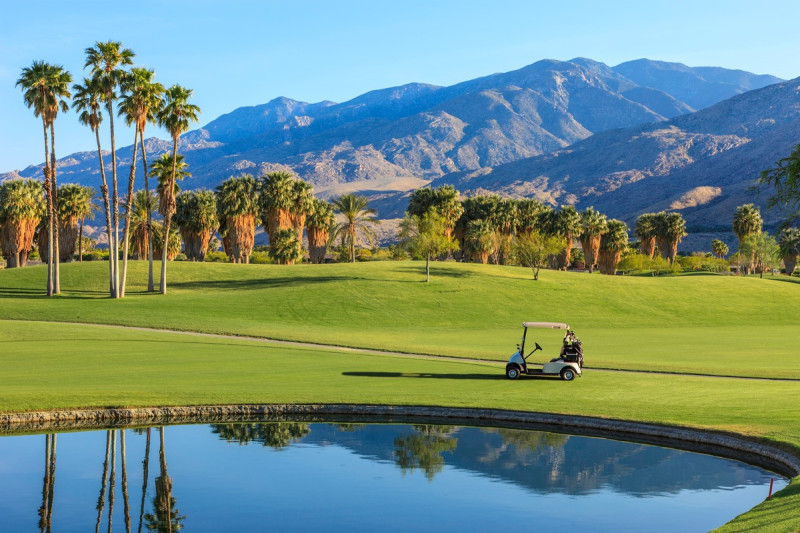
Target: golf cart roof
{"type": "Point", "coordinates": [548, 325]}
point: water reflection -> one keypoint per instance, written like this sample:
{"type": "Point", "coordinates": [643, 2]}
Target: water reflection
{"type": "Point", "coordinates": [484, 470]}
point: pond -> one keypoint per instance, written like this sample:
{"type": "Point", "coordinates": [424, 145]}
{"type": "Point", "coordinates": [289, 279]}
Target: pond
{"type": "Point", "coordinates": [301, 476]}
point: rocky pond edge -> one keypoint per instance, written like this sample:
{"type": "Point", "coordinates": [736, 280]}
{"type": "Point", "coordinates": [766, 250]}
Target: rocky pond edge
{"type": "Point", "coordinates": [749, 450]}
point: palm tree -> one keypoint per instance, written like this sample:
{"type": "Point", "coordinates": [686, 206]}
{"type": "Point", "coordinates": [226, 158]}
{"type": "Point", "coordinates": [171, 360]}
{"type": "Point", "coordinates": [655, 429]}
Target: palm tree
{"type": "Point", "coordinates": [593, 226]}
{"type": "Point", "coordinates": [612, 244]}
{"type": "Point", "coordinates": [320, 223]}
{"type": "Point", "coordinates": [106, 61]}
{"type": "Point", "coordinates": [719, 248]}
{"type": "Point", "coordinates": [670, 229]}
{"type": "Point", "coordinates": [196, 216]}
{"type": "Point", "coordinates": [176, 115]}
{"type": "Point", "coordinates": [165, 516]}
{"type": "Point", "coordinates": [44, 89]}
{"type": "Point", "coordinates": [140, 101]}
{"type": "Point", "coordinates": [479, 240]}
{"type": "Point", "coordinates": [566, 222]}
{"type": "Point", "coordinates": [529, 215]}
{"type": "Point", "coordinates": [75, 204]}
{"type": "Point", "coordinates": [789, 248]}
{"type": "Point", "coordinates": [277, 200]}
{"type": "Point", "coordinates": [746, 221]}
{"type": "Point", "coordinates": [504, 219]}
{"type": "Point", "coordinates": [444, 200]}
{"type": "Point", "coordinates": [475, 208]}
{"type": "Point", "coordinates": [20, 211]}
{"type": "Point", "coordinates": [303, 197]}
{"type": "Point", "coordinates": [645, 231]}
{"type": "Point", "coordinates": [358, 217]}
{"type": "Point", "coordinates": [237, 209]}
{"type": "Point", "coordinates": [139, 235]}
{"type": "Point", "coordinates": [87, 101]}
{"type": "Point", "coordinates": [161, 169]}
{"type": "Point", "coordinates": [157, 238]}
{"type": "Point", "coordinates": [285, 248]}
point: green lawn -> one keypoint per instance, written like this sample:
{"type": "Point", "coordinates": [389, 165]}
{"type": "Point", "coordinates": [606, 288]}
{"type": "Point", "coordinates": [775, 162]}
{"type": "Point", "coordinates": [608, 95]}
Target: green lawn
{"type": "Point", "coordinates": [701, 324]}
{"type": "Point", "coordinates": [708, 324]}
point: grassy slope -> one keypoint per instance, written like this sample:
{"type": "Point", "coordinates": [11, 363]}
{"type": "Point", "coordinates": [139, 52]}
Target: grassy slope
{"type": "Point", "coordinates": [691, 323]}
{"type": "Point", "coordinates": [703, 324]}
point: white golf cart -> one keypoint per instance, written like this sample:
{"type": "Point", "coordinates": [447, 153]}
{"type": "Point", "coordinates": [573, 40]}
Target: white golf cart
{"type": "Point", "coordinates": [567, 365]}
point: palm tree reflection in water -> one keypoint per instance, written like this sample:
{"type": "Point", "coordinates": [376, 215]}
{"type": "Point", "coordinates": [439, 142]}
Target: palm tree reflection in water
{"type": "Point", "coordinates": [46, 510]}
{"type": "Point", "coordinates": [165, 517]}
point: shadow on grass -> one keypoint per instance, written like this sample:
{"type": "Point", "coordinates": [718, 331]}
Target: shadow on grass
{"type": "Point", "coordinates": [424, 375]}
{"type": "Point", "coordinates": [258, 283]}
{"type": "Point", "coordinates": [39, 294]}
{"type": "Point", "coordinates": [436, 271]}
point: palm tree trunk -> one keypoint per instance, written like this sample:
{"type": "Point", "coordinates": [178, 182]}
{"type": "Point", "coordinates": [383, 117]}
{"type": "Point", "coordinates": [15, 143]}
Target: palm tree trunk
{"type": "Point", "coordinates": [80, 242]}
{"type": "Point", "coordinates": [148, 226]}
{"type": "Point", "coordinates": [107, 211]}
{"type": "Point", "coordinates": [54, 185]}
{"type": "Point", "coordinates": [112, 479]}
{"type": "Point", "coordinates": [101, 500]}
{"type": "Point", "coordinates": [47, 191]}
{"type": "Point", "coordinates": [45, 485]}
{"type": "Point", "coordinates": [125, 502]}
{"type": "Point", "coordinates": [145, 472]}
{"type": "Point", "coordinates": [114, 198]}
{"type": "Point", "coordinates": [168, 217]}
{"type": "Point", "coordinates": [352, 231]}
{"type": "Point", "coordinates": [128, 205]}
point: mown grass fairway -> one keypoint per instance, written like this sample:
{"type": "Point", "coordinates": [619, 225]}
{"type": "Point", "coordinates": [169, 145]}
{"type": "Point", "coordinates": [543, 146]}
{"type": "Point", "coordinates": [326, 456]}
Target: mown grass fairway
{"type": "Point", "coordinates": [691, 324]}
{"type": "Point", "coordinates": [701, 324]}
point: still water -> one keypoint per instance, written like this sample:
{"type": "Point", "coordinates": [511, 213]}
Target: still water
{"type": "Point", "coordinates": [293, 476]}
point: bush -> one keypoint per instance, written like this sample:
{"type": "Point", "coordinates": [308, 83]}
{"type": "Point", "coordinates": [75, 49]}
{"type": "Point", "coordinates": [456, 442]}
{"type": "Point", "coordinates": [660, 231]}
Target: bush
{"type": "Point", "coordinates": [216, 257]}
{"type": "Point", "coordinates": [260, 258]}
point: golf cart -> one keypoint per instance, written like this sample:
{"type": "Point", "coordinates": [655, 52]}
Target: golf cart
{"type": "Point", "coordinates": [567, 365]}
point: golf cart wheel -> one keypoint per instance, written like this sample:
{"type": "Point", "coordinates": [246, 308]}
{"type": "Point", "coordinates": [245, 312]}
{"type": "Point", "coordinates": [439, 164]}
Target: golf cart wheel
{"type": "Point", "coordinates": [512, 372]}
{"type": "Point", "coordinates": [568, 374]}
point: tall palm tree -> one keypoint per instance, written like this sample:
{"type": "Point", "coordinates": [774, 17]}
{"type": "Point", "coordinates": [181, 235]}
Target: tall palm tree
{"type": "Point", "coordinates": [141, 99]}
{"type": "Point", "coordinates": [86, 101]}
{"type": "Point", "coordinates": [276, 200]}
{"type": "Point", "coordinates": [106, 61]}
{"type": "Point", "coordinates": [593, 226]}
{"type": "Point", "coordinates": [237, 209]}
{"type": "Point", "coordinates": [747, 221]}
{"type": "Point", "coordinates": [566, 222]}
{"type": "Point", "coordinates": [358, 217]}
{"type": "Point", "coordinates": [20, 211]}
{"type": "Point", "coordinates": [303, 197]}
{"type": "Point", "coordinates": [789, 248]}
{"type": "Point", "coordinates": [613, 242]}
{"type": "Point", "coordinates": [175, 115]}
{"type": "Point", "coordinates": [645, 231]}
{"type": "Point", "coordinates": [196, 216]}
{"type": "Point", "coordinates": [320, 223]}
{"type": "Point", "coordinates": [719, 248]}
{"type": "Point", "coordinates": [45, 87]}
{"type": "Point", "coordinates": [670, 229]}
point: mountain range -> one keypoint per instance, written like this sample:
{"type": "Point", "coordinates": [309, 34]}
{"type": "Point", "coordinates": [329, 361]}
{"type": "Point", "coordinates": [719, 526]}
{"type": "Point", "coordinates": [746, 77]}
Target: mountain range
{"type": "Point", "coordinates": [640, 136]}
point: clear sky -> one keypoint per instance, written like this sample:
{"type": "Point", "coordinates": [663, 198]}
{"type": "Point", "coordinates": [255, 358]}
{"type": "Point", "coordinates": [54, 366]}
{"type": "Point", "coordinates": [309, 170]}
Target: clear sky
{"type": "Point", "coordinates": [237, 53]}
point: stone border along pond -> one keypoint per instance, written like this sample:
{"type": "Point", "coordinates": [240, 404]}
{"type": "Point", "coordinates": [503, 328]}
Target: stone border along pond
{"type": "Point", "coordinates": [710, 442]}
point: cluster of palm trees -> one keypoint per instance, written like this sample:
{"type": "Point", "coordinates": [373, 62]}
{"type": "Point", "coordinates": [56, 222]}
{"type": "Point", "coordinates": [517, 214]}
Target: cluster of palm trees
{"type": "Point", "coordinates": [140, 101]}
{"type": "Point", "coordinates": [485, 227]}
{"type": "Point", "coordinates": [663, 231]}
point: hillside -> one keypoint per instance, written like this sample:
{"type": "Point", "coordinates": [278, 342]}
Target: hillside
{"type": "Point", "coordinates": [398, 138]}
{"type": "Point", "coordinates": [700, 164]}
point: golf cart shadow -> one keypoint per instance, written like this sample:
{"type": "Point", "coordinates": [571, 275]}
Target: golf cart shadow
{"type": "Point", "coordinates": [423, 375]}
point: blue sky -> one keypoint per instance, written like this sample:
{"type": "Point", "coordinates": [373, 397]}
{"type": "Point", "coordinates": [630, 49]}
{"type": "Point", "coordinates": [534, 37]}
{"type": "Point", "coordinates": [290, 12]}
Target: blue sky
{"type": "Point", "coordinates": [240, 53]}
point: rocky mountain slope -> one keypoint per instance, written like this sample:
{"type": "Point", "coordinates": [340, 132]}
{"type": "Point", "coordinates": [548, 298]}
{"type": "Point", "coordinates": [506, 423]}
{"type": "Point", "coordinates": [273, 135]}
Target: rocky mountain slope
{"type": "Point", "coordinates": [399, 138]}
{"type": "Point", "coordinates": [700, 164]}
